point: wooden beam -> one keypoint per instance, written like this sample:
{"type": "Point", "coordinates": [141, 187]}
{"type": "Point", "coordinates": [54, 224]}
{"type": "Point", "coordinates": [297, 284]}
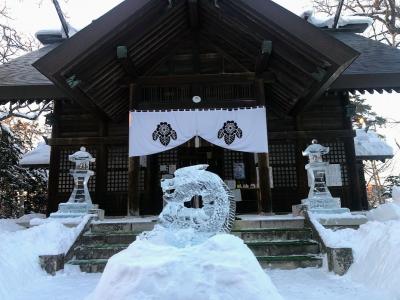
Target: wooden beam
{"type": "Point", "coordinates": [308, 135]}
{"type": "Point", "coordinates": [226, 55]}
{"type": "Point", "coordinates": [126, 15]}
{"type": "Point", "coordinates": [351, 160]}
{"type": "Point", "coordinates": [133, 169]}
{"type": "Point", "coordinates": [202, 78]}
{"type": "Point", "coordinates": [263, 60]}
{"type": "Point", "coordinates": [111, 140]}
{"type": "Point", "coordinates": [27, 92]}
{"type": "Point", "coordinates": [287, 25]}
{"type": "Point", "coordinates": [265, 199]}
{"type": "Point", "coordinates": [54, 170]}
{"type": "Point", "coordinates": [125, 62]}
{"type": "Point", "coordinates": [78, 95]}
{"type": "Point", "coordinates": [101, 168]}
{"type": "Point", "coordinates": [318, 88]}
{"type": "Point", "coordinates": [194, 14]}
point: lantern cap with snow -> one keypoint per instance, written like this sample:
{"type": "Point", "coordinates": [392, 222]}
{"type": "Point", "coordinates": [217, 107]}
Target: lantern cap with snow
{"type": "Point", "coordinates": [315, 151]}
{"type": "Point", "coordinates": [82, 159]}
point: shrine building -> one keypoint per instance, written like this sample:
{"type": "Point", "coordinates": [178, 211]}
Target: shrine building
{"type": "Point", "coordinates": [240, 85]}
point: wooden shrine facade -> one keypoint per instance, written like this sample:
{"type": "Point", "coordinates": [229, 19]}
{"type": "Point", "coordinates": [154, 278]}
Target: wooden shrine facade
{"type": "Point", "coordinates": [157, 55]}
{"type": "Point", "coordinates": [108, 142]}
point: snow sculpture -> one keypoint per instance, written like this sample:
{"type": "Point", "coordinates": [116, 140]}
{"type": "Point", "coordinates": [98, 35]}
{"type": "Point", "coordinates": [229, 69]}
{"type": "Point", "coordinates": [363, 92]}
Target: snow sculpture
{"type": "Point", "coordinates": [214, 210]}
{"type": "Point", "coordinates": [217, 213]}
{"type": "Point", "coordinates": [79, 202]}
{"type": "Point", "coordinates": [319, 198]}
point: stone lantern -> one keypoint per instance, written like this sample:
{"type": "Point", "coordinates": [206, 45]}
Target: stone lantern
{"type": "Point", "coordinates": [81, 175]}
{"type": "Point", "coordinates": [319, 198]}
{"type": "Point", "coordinates": [79, 202]}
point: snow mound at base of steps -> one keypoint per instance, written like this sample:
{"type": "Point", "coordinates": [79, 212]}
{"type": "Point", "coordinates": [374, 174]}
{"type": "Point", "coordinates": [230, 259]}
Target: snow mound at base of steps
{"type": "Point", "coordinates": [222, 267]}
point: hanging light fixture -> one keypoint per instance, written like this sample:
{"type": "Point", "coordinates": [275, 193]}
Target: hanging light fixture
{"type": "Point", "coordinates": [196, 99]}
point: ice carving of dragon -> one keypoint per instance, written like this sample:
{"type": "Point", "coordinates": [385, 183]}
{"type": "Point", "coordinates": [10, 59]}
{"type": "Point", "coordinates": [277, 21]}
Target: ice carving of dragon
{"type": "Point", "coordinates": [218, 211]}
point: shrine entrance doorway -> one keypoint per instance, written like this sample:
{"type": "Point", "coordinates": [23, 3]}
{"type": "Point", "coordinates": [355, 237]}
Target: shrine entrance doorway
{"type": "Point", "coordinates": [212, 156]}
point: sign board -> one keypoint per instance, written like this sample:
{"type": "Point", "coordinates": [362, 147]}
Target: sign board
{"type": "Point", "coordinates": [333, 176]}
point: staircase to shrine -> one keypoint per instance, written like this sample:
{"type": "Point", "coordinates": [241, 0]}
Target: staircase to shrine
{"type": "Point", "coordinates": [280, 243]}
{"type": "Point", "coordinates": [277, 243]}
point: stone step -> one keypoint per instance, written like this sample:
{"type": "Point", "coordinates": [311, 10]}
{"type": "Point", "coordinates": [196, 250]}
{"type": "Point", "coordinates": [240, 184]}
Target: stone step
{"type": "Point", "coordinates": [103, 251]}
{"type": "Point", "coordinates": [278, 248]}
{"type": "Point", "coordinates": [90, 265]}
{"type": "Point", "coordinates": [101, 227]}
{"type": "Point", "coordinates": [121, 237]}
{"type": "Point", "coordinates": [290, 262]}
{"type": "Point", "coordinates": [266, 262]}
{"type": "Point", "coordinates": [272, 223]}
{"type": "Point", "coordinates": [270, 234]}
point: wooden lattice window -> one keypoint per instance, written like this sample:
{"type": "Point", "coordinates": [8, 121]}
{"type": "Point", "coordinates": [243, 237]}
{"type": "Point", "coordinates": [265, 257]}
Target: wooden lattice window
{"type": "Point", "coordinates": [228, 92]}
{"type": "Point", "coordinates": [168, 157]}
{"type": "Point", "coordinates": [166, 94]}
{"type": "Point", "coordinates": [142, 175]}
{"type": "Point", "coordinates": [337, 155]}
{"type": "Point", "coordinates": [117, 169]}
{"type": "Point", "coordinates": [231, 157]}
{"type": "Point", "coordinates": [283, 163]}
{"type": "Point", "coordinates": [210, 93]}
{"type": "Point", "coordinates": [65, 180]}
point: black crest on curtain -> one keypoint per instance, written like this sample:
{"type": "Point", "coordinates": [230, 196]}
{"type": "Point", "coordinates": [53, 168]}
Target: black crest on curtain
{"type": "Point", "coordinates": [164, 133]}
{"type": "Point", "coordinates": [229, 132]}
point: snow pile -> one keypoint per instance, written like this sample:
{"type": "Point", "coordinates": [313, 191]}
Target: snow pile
{"type": "Point", "coordinates": [304, 9]}
{"type": "Point", "coordinates": [376, 256]}
{"type": "Point", "coordinates": [65, 221]}
{"type": "Point", "coordinates": [385, 212]}
{"type": "Point", "coordinates": [38, 156]}
{"type": "Point", "coordinates": [20, 250]}
{"type": "Point", "coordinates": [396, 194]}
{"type": "Point", "coordinates": [375, 248]}
{"type": "Point", "coordinates": [369, 144]}
{"type": "Point", "coordinates": [220, 268]}
{"type": "Point", "coordinates": [328, 21]}
{"type": "Point", "coordinates": [9, 225]}
{"type": "Point", "coordinates": [25, 219]}
{"type": "Point", "coordinates": [388, 211]}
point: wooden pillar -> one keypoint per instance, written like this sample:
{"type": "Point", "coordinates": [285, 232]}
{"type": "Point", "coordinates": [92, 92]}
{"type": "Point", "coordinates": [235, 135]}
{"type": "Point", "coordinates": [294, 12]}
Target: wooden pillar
{"type": "Point", "coordinates": [265, 199]}
{"type": "Point", "coordinates": [301, 161]}
{"type": "Point", "coordinates": [101, 167]}
{"type": "Point", "coordinates": [354, 175]}
{"type": "Point", "coordinates": [133, 188]}
{"type": "Point", "coordinates": [133, 169]}
{"type": "Point", "coordinates": [52, 185]}
{"type": "Point", "coordinates": [351, 161]}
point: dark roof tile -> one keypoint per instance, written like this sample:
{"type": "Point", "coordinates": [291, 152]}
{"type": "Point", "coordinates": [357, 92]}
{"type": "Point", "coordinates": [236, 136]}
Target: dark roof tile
{"type": "Point", "coordinates": [375, 58]}
{"type": "Point", "coordinates": [20, 72]}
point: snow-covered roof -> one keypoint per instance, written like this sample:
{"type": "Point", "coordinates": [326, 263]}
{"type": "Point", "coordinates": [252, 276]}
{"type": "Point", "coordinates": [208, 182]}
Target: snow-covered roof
{"type": "Point", "coordinates": [304, 9]}
{"type": "Point", "coordinates": [40, 156]}
{"type": "Point", "coordinates": [369, 145]}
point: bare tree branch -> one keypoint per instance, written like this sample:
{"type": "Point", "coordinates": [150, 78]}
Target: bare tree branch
{"type": "Point", "coordinates": [385, 15]}
{"type": "Point", "coordinates": [28, 111]}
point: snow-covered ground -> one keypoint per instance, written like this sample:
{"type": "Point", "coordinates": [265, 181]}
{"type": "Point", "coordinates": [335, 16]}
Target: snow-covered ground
{"type": "Point", "coordinates": [300, 284]}
{"type": "Point", "coordinates": [374, 275]}
{"type": "Point", "coordinates": [318, 284]}
{"type": "Point", "coordinates": [19, 254]}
